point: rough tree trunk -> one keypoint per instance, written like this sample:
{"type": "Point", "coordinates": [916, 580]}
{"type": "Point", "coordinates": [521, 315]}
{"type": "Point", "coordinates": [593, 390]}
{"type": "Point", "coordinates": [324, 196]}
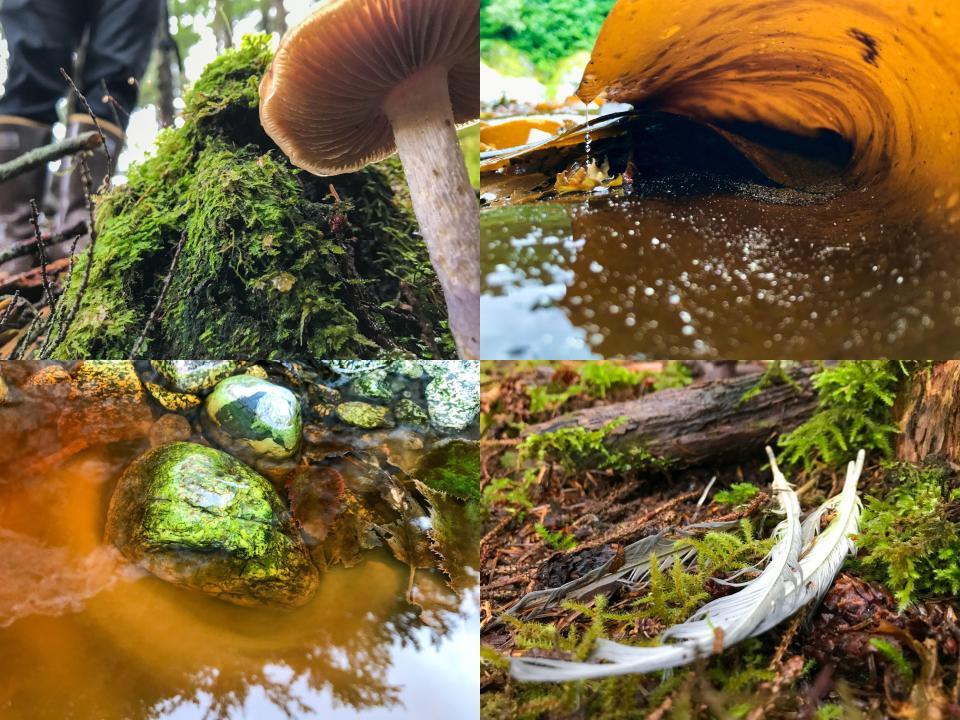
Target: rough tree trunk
{"type": "Point", "coordinates": [280, 21]}
{"type": "Point", "coordinates": [701, 423]}
{"type": "Point", "coordinates": [222, 24]}
{"type": "Point", "coordinates": [930, 415]}
{"type": "Point", "coordinates": [165, 59]}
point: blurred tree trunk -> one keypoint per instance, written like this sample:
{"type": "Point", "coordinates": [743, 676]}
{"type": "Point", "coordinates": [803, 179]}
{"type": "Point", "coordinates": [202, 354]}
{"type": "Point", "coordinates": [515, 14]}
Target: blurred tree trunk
{"type": "Point", "coordinates": [166, 56]}
{"type": "Point", "coordinates": [223, 24]}
{"type": "Point", "coordinates": [930, 415]}
{"type": "Point", "coordinates": [280, 20]}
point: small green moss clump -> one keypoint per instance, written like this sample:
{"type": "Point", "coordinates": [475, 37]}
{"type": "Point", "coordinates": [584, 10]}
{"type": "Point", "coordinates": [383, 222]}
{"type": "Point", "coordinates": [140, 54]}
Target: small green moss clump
{"type": "Point", "coordinates": [577, 447]}
{"type": "Point", "coordinates": [274, 262]}
{"type": "Point", "coordinates": [854, 412]}
{"type": "Point", "coordinates": [910, 539]}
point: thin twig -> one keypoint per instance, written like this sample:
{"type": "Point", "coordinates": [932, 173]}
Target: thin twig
{"type": "Point", "coordinates": [96, 123]}
{"type": "Point", "coordinates": [112, 102]}
{"type": "Point", "coordinates": [41, 251]}
{"type": "Point", "coordinates": [163, 294]}
{"type": "Point", "coordinates": [27, 247]}
{"type": "Point", "coordinates": [48, 153]}
{"type": "Point", "coordinates": [55, 318]}
{"type": "Point", "coordinates": [88, 193]}
{"type": "Point", "coordinates": [9, 309]}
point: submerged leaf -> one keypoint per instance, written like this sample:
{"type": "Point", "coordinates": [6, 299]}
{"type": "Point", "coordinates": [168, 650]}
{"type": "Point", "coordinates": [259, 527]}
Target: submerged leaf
{"type": "Point", "coordinates": [455, 532]}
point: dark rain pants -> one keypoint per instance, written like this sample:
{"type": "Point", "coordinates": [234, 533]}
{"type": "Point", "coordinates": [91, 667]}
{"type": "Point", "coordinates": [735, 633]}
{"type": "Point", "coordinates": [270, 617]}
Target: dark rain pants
{"type": "Point", "coordinates": [42, 36]}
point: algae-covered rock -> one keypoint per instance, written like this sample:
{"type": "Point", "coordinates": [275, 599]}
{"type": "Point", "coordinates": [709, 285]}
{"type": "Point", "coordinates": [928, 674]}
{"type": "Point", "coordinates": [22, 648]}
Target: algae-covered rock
{"type": "Point", "coordinates": [254, 418]}
{"type": "Point", "coordinates": [374, 385]}
{"type": "Point", "coordinates": [274, 260]}
{"type": "Point", "coordinates": [452, 466]}
{"type": "Point", "coordinates": [194, 376]}
{"type": "Point", "coordinates": [173, 401]}
{"type": "Point", "coordinates": [364, 415]}
{"type": "Point", "coordinates": [408, 412]}
{"type": "Point", "coordinates": [197, 517]}
{"type": "Point", "coordinates": [453, 395]}
{"type": "Point", "coordinates": [355, 367]}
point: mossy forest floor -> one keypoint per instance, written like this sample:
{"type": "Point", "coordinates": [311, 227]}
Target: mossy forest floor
{"type": "Point", "coordinates": [883, 643]}
{"type": "Point", "coordinates": [270, 260]}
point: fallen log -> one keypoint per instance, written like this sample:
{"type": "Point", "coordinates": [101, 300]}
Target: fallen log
{"type": "Point", "coordinates": [700, 423]}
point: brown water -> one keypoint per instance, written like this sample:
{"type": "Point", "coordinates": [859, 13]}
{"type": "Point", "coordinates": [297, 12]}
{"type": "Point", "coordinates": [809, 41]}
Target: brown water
{"type": "Point", "coordinates": [795, 193]}
{"type": "Point", "coordinates": [84, 635]}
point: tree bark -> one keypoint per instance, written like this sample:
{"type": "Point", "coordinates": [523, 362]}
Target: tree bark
{"type": "Point", "coordinates": [166, 56]}
{"type": "Point", "coordinates": [701, 423]}
{"type": "Point", "coordinates": [930, 415]}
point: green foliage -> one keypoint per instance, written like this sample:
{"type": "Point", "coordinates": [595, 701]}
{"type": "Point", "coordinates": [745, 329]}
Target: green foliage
{"type": "Point", "coordinates": [775, 374]}
{"type": "Point", "coordinates": [470, 144]}
{"type": "Point", "coordinates": [543, 31]}
{"type": "Point", "coordinates": [577, 447]}
{"type": "Point", "coordinates": [272, 264]}
{"type": "Point", "coordinates": [830, 711]}
{"type": "Point", "coordinates": [738, 494]}
{"type": "Point", "coordinates": [674, 595]}
{"type": "Point", "coordinates": [910, 540]}
{"type": "Point", "coordinates": [895, 657]}
{"type": "Point", "coordinates": [558, 540]}
{"type": "Point", "coordinates": [512, 494]}
{"type": "Point", "coordinates": [855, 398]}
{"type": "Point", "coordinates": [600, 377]}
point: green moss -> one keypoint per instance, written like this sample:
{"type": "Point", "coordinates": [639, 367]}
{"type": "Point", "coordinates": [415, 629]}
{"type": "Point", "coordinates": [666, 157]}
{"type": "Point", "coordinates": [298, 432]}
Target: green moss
{"type": "Point", "coordinates": [453, 467]}
{"type": "Point", "coordinates": [600, 377]}
{"type": "Point", "coordinates": [896, 658]}
{"type": "Point", "coordinates": [558, 540]}
{"type": "Point", "coordinates": [910, 539]}
{"type": "Point", "coordinates": [273, 263]}
{"type": "Point", "coordinates": [577, 447]}
{"type": "Point", "coordinates": [854, 412]}
{"type": "Point", "coordinates": [738, 494]}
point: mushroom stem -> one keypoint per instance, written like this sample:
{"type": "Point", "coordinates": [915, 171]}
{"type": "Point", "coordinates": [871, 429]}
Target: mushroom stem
{"type": "Point", "coordinates": [443, 199]}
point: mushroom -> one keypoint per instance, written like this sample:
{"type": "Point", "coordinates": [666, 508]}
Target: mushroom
{"type": "Point", "coordinates": [361, 79]}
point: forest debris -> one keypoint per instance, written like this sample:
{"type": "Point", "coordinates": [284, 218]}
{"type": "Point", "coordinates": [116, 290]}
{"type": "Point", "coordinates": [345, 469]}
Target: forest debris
{"type": "Point", "coordinates": [586, 178]}
{"type": "Point", "coordinates": [48, 153]}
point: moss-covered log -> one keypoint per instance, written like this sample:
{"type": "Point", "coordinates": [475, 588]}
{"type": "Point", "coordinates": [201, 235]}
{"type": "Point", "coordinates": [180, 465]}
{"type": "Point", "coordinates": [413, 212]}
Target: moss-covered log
{"type": "Point", "coordinates": [697, 424]}
{"type": "Point", "coordinates": [275, 262]}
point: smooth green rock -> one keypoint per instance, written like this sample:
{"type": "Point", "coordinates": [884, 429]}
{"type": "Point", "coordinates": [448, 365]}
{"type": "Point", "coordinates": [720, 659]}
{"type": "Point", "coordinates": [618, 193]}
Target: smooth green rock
{"type": "Point", "coordinates": [407, 411]}
{"type": "Point", "coordinates": [412, 369]}
{"type": "Point", "coordinates": [364, 415]}
{"type": "Point", "coordinates": [193, 376]}
{"type": "Point", "coordinates": [374, 385]}
{"type": "Point", "coordinates": [198, 517]}
{"type": "Point", "coordinates": [452, 466]}
{"type": "Point", "coordinates": [453, 395]}
{"type": "Point", "coordinates": [254, 418]}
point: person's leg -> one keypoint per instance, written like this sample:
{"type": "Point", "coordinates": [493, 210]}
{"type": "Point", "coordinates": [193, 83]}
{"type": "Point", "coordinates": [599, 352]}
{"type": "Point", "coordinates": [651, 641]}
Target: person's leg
{"type": "Point", "coordinates": [41, 37]}
{"type": "Point", "coordinates": [122, 34]}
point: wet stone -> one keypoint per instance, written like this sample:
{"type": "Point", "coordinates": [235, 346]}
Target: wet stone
{"type": "Point", "coordinates": [410, 369]}
{"type": "Point", "coordinates": [173, 401]}
{"type": "Point", "coordinates": [364, 415]}
{"type": "Point", "coordinates": [453, 395]}
{"type": "Point", "coordinates": [169, 428]}
{"type": "Point", "coordinates": [254, 418]}
{"type": "Point", "coordinates": [194, 376]}
{"type": "Point", "coordinates": [198, 517]}
{"type": "Point", "coordinates": [374, 385]}
{"type": "Point", "coordinates": [408, 412]}
{"type": "Point", "coordinates": [355, 367]}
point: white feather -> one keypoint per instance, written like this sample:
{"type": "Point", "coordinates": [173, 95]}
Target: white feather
{"type": "Point", "coordinates": [801, 568]}
{"type": "Point", "coordinates": [734, 616]}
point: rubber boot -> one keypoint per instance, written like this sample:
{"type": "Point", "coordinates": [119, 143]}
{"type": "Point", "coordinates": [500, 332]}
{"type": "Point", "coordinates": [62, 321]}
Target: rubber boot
{"type": "Point", "coordinates": [17, 136]}
{"type": "Point", "coordinates": [69, 194]}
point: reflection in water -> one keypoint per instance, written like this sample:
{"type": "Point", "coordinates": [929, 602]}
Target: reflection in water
{"type": "Point", "coordinates": [84, 635]}
{"type": "Point", "coordinates": [791, 190]}
{"type": "Point", "coordinates": [716, 276]}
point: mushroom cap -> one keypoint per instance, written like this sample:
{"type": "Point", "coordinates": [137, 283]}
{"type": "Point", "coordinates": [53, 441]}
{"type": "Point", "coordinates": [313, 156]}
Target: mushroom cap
{"type": "Point", "coordinates": [322, 99]}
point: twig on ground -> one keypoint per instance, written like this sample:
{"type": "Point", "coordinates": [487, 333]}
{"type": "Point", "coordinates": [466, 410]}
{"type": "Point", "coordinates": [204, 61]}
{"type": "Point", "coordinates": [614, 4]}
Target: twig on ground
{"type": "Point", "coordinates": [9, 309]}
{"type": "Point", "coordinates": [96, 123]}
{"type": "Point", "coordinates": [48, 153]}
{"type": "Point", "coordinates": [163, 294]}
{"type": "Point", "coordinates": [58, 315]}
{"type": "Point", "coordinates": [28, 247]}
{"type": "Point", "coordinates": [41, 251]}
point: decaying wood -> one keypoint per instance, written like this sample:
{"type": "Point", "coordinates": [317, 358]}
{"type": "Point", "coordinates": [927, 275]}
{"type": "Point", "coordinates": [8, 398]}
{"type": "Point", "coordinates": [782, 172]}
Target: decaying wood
{"type": "Point", "coordinates": [700, 423]}
{"type": "Point", "coordinates": [930, 418]}
{"type": "Point", "coordinates": [48, 153]}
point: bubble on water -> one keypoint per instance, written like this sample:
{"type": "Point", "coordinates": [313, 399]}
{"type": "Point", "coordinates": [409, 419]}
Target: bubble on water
{"type": "Point", "coordinates": [674, 299]}
{"type": "Point", "coordinates": [648, 291]}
